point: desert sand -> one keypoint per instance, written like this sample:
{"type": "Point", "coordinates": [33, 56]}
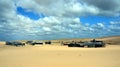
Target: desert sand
{"type": "Point", "coordinates": [59, 56]}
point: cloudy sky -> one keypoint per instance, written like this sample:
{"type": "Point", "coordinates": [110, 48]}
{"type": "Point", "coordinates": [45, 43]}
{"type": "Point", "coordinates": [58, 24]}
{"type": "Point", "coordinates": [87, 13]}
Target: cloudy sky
{"type": "Point", "coordinates": [54, 19]}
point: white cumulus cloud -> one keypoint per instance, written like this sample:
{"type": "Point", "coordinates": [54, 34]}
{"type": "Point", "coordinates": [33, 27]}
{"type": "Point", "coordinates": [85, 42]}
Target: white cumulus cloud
{"type": "Point", "coordinates": [62, 19]}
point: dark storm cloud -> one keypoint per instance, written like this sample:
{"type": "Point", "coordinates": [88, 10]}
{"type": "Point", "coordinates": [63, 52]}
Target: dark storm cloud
{"type": "Point", "coordinates": [104, 4]}
{"type": "Point", "coordinates": [106, 7]}
{"type": "Point", "coordinates": [7, 8]}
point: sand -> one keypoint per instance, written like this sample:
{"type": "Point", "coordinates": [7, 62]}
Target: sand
{"type": "Point", "coordinates": [59, 56]}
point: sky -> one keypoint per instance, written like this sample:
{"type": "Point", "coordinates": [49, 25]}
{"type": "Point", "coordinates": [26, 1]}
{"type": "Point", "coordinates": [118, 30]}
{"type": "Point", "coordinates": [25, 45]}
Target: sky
{"type": "Point", "coordinates": [56, 19]}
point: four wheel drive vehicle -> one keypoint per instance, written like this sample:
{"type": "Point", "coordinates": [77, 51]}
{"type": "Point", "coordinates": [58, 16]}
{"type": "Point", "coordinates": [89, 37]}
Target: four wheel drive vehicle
{"type": "Point", "coordinates": [15, 43]}
{"type": "Point", "coordinates": [94, 44]}
{"type": "Point", "coordinates": [34, 43]}
{"type": "Point", "coordinates": [48, 42]}
{"type": "Point", "coordinates": [75, 44]}
{"type": "Point", "coordinates": [29, 42]}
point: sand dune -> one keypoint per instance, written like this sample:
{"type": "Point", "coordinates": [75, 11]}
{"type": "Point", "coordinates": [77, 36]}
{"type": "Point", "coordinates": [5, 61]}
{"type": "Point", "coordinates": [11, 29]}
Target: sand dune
{"type": "Point", "coordinates": [113, 40]}
{"type": "Point", "coordinates": [59, 56]}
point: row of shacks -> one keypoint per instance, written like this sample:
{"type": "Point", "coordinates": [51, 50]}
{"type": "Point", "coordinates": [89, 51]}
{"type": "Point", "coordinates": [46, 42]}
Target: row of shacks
{"type": "Point", "coordinates": [92, 43]}
{"type": "Point", "coordinates": [18, 43]}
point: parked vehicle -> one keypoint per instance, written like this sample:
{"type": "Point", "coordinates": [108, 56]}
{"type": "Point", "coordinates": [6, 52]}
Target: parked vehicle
{"type": "Point", "coordinates": [94, 44]}
{"type": "Point", "coordinates": [34, 43]}
{"type": "Point", "coordinates": [29, 42]}
{"type": "Point", "coordinates": [48, 42]}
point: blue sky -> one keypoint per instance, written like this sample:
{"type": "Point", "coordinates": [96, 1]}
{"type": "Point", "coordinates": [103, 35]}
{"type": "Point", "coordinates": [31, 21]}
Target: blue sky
{"type": "Point", "coordinates": [52, 19]}
{"type": "Point", "coordinates": [30, 14]}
